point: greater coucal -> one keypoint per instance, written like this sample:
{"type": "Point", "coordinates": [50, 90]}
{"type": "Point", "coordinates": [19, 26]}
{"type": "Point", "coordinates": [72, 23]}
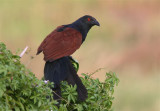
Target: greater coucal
{"type": "Point", "coordinates": [57, 48]}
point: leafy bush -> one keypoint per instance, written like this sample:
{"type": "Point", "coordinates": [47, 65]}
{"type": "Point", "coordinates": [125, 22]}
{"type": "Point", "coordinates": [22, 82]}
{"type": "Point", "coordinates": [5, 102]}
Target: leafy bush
{"type": "Point", "coordinates": [21, 90]}
{"type": "Point", "coordinates": [99, 94]}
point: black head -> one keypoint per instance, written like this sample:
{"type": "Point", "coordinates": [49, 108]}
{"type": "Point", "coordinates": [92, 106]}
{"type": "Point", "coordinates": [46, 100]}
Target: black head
{"type": "Point", "coordinates": [84, 24]}
{"type": "Point", "coordinates": [88, 20]}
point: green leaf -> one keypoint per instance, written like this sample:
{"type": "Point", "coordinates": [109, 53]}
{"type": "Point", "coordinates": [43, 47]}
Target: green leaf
{"type": "Point", "coordinates": [16, 108]}
{"type": "Point", "coordinates": [73, 98]}
{"type": "Point", "coordinates": [74, 63]}
{"type": "Point", "coordinates": [39, 103]}
{"type": "Point", "coordinates": [69, 98]}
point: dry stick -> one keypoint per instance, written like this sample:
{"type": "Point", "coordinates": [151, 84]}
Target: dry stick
{"type": "Point", "coordinates": [60, 97]}
{"type": "Point", "coordinates": [22, 53]}
{"type": "Point", "coordinates": [63, 98]}
{"type": "Point", "coordinates": [96, 71]}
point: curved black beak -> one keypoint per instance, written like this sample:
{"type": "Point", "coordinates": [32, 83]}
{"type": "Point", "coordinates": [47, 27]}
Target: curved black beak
{"type": "Point", "coordinates": [95, 22]}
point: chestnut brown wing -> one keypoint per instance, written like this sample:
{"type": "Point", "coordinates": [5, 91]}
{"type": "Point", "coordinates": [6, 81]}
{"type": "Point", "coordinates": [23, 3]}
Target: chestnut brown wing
{"type": "Point", "coordinates": [60, 44]}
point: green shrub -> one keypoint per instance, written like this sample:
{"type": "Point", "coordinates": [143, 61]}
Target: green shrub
{"type": "Point", "coordinates": [21, 90]}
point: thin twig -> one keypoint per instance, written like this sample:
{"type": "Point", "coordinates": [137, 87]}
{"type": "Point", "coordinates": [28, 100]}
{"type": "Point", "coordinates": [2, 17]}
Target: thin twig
{"type": "Point", "coordinates": [96, 71]}
{"type": "Point", "coordinates": [60, 97]}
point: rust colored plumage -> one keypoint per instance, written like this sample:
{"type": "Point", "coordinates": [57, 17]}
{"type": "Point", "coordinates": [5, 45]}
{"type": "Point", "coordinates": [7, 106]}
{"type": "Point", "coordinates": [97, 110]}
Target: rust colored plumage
{"type": "Point", "coordinates": [59, 44]}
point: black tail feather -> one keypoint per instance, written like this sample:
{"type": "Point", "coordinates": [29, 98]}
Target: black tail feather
{"type": "Point", "coordinates": [57, 94]}
{"type": "Point", "coordinates": [62, 69]}
{"type": "Point", "coordinates": [56, 71]}
{"type": "Point", "coordinates": [73, 79]}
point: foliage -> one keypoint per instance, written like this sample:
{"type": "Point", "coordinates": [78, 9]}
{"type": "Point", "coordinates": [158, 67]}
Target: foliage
{"type": "Point", "coordinates": [21, 90]}
{"type": "Point", "coordinates": [99, 94]}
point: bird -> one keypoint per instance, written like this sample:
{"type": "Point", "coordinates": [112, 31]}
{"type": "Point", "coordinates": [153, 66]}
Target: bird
{"type": "Point", "coordinates": [58, 47]}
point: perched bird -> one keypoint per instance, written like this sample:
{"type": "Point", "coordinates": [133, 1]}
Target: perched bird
{"type": "Point", "coordinates": [57, 48]}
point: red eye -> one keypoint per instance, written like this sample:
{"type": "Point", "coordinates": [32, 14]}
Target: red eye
{"type": "Point", "coordinates": [89, 19]}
